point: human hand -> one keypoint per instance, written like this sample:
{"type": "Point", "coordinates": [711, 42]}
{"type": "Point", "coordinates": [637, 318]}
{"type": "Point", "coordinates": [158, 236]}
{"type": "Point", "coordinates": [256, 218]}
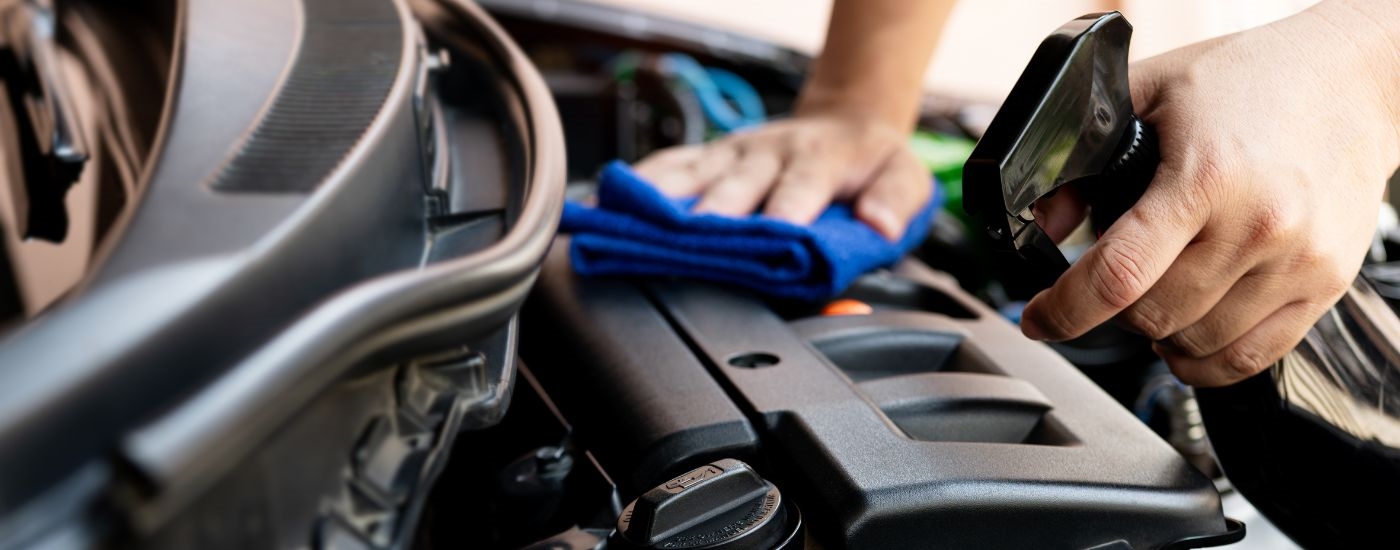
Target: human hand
{"type": "Point", "coordinates": [848, 138]}
{"type": "Point", "coordinates": [795, 168]}
{"type": "Point", "coordinates": [1276, 143]}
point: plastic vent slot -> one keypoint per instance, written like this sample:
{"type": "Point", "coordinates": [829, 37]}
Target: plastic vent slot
{"type": "Point", "coordinates": [931, 384]}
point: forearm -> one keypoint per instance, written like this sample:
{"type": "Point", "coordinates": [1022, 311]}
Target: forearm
{"type": "Point", "coordinates": [874, 59]}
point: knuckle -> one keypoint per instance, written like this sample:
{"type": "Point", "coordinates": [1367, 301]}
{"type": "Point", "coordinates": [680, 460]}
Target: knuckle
{"type": "Point", "coordinates": [1309, 259]}
{"type": "Point", "coordinates": [1335, 282]}
{"type": "Point", "coordinates": [809, 143]}
{"type": "Point", "coordinates": [1192, 342]}
{"type": "Point", "coordinates": [1202, 285]}
{"type": "Point", "coordinates": [1243, 361]}
{"type": "Point", "coordinates": [1210, 172]}
{"type": "Point", "coordinates": [1149, 319]}
{"type": "Point", "coordinates": [799, 172]}
{"type": "Point", "coordinates": [1120, 276]}
{"type": "Point", "coordinates": [734, 188]}
{"type": "Point", "coordinates": [1215, 168]}
{"type": "Point", "coordinates": [802, 179]}
{"type": "Point", "coordinates": [1191, 204]}
{"type": "Point", "coordinates": [739, 148]}
{"type": "Point", "coordinates": [1205, 173]}
{"type": "Point", "coordinates": [714, 159]}
{"type": "Point", "coordinates": [1327, 276]}
{"type": "Point", "coordinates": [674, 181]}
{"type": "Point", "coordinates": [758, 161]}
{"type": "Point", "coordinates": [1203, 188]}
{"type": "Point", "coordinates": [1272, 223]}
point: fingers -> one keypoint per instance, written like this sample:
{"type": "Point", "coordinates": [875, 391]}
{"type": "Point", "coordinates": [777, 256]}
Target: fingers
{"type": "Point", "coordinates": [1143, 83]}
{"type": "Point", "coordinates": [669, 159]}
{"type": "Point", "coordinates": [1118, 270]}
{"type": "Point", "coordinates": [1256, 351]}
{"type": "Point", "coordinates": [796, 169]}
{"type": "Point", "coordinates": [718, 160]}
{"type": "Point", "coordinates": [671, 170]}
{"type": "Point", "coordinates": [1248, 303]}
{"type": "Point", "coordinates": [1060, 213]}
{"type": "Point", "coordinates": [687, 171]}
{"type": "Point", "coordinates": [896, 195]}
{"type": "Point", "coordinates": [739, 191]}
{"type": "Point", "coordinates": [805, 188]}
{"type": "Point", "coordinates": [1187, 292]}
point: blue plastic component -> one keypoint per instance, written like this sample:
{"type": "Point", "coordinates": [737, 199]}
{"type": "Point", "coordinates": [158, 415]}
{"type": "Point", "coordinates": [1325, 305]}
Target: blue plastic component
{"type": "Point", "coordinates": [715, 88]}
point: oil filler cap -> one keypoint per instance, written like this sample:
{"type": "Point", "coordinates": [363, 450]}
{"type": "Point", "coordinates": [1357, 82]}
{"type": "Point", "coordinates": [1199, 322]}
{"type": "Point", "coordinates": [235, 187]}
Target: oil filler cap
{"type": "Point", "coordinates": [722, 505]}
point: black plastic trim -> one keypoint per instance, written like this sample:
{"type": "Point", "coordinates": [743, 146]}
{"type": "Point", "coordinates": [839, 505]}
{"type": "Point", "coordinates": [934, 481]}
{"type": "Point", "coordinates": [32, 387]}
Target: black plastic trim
{"type": "Point", "coordinates": [224, 368]}
{"type": "Point", "coordinates": [392, 316]}
{"type": "Point", "coordinates": [336, 86]}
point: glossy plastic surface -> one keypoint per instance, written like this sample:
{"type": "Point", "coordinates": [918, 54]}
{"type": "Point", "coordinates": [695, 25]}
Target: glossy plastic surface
{"type": "Point", "coordinates": [1314, 442]}
{"type": "Point", "coordinates": [1069, 119]}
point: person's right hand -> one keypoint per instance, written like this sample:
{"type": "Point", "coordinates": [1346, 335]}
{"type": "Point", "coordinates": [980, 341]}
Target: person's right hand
{"type": "Point", "coordinates": [1276, 145]}
{"type": "Point", "coordinates": [795, 168]}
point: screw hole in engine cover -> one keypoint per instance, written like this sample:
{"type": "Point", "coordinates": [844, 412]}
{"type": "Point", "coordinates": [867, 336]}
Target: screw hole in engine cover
{"type": "Point", "coordinates": [753, 360]}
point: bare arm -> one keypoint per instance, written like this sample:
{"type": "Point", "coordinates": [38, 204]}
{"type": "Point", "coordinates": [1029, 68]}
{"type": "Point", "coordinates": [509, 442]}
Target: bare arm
{"type": "Point", "coordinates": [874, 59]}
{"type": "Point", "coordinates": [848, 140]}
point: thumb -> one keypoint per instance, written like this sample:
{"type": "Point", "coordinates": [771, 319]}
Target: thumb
{"type": "Point", "coordinates": [1145, 84]}
{"type": "Point", "coordinates": [1058, 214]}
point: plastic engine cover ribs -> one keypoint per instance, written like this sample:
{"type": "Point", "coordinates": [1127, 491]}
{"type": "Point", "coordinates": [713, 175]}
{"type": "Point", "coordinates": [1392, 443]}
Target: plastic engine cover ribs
{"type": "Point", "coordinates": [929, 423]}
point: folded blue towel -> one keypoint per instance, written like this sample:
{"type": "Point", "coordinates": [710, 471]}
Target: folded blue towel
{"type": "Point", "coordinates": [635, 230]}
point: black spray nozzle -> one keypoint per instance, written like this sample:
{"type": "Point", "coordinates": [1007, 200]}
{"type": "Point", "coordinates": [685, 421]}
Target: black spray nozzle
{"type": "Point", "coordinates": [1069, 119]}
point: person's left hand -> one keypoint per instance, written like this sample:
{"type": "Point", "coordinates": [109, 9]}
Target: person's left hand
{"type": "Point", "coordinates": [793, 169]}
{"type": "Point", "coordinates": [1276, 144]}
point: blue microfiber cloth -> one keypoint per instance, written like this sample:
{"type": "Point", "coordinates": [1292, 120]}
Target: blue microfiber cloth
{"type": "Point", "coordinates": [636, 230]}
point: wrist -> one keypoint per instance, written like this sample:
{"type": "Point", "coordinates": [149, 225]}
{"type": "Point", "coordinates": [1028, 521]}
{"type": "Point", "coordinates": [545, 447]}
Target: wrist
{"type": "Point", "coordinates": [859, 102]}
{"type": "Point", "coordinates": [873, 61]}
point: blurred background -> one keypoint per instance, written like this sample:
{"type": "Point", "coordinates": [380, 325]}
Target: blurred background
{"type": "Point", "coordinates": [987, 42]}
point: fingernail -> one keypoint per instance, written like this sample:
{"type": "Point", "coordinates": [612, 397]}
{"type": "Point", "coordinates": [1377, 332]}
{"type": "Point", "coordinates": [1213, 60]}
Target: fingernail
{"type": "Point", "coordinates": [1162, 349]}
{"type": "Point", "coordinates": [791, 211]}
{"type": "Point", "coordinates": [1029, 326]}
{"type": "Point", "coordinates": [1032, 329]}
{"type": "Point", "coordinates": [781, 210]}
{"type": "Point", "coordinates": [882, 219]}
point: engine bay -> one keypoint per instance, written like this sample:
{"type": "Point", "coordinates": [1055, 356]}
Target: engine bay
{"type": "Point", "coordinates": [310, 249]}
{"type": "Point", "coordinates": [908, 411]}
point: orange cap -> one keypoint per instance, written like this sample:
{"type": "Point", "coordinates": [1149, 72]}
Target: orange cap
{"type": "Point", "coordinates": [847, 307]}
